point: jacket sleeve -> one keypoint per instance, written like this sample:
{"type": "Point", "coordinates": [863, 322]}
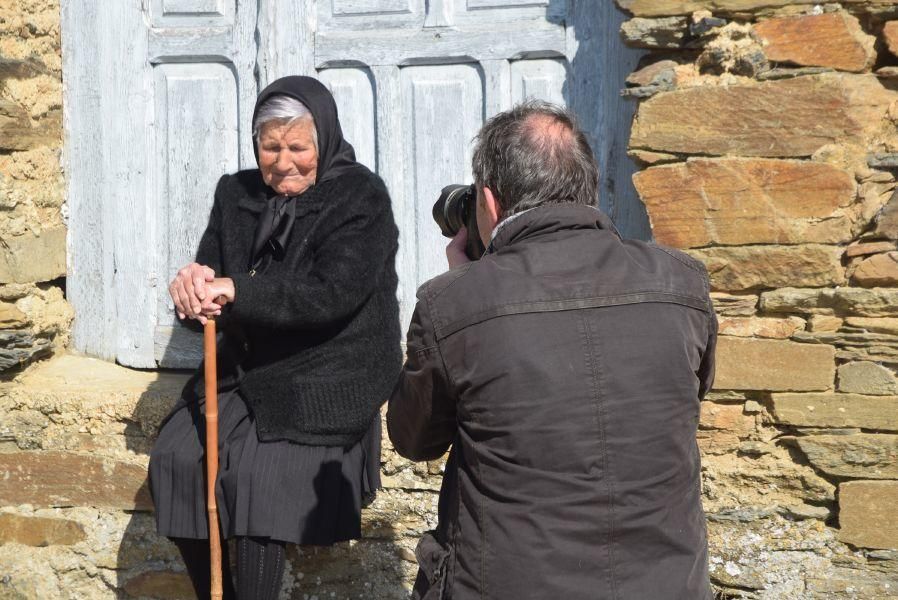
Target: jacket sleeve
{"type": "Point", "coordinates": [347, 265]}
{"type": "Point", "coordinates": [421, 419]}
{"type": "Point", "coordinates": [706, 369]}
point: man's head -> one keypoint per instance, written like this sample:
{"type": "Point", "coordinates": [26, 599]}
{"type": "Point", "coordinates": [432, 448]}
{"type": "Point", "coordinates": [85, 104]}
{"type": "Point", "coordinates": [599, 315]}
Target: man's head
{"type": "Point", "coordinates": [529, 156]}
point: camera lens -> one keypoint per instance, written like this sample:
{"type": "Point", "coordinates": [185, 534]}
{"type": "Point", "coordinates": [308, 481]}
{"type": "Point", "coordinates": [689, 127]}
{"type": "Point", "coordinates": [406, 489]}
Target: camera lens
{"type": "Point", "coordinates": [450, 210]}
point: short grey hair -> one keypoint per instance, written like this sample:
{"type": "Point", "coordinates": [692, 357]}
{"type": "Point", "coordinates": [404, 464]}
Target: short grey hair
{"type": "Point", "coordinates": [535, 154]}
{"type": "Point", "coordinates": [284, 110]}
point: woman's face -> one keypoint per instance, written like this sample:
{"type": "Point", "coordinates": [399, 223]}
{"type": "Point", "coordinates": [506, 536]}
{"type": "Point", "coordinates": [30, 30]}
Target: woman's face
{"type": "Point", "coordinates": [287, 156]}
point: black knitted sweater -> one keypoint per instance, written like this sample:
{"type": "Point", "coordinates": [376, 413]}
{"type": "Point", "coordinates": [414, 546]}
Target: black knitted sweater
{"type": "Point", "coordinates": [313, 336]}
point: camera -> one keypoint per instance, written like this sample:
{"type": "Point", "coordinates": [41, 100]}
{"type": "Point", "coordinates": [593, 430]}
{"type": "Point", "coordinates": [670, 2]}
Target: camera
{"type": "Point", "coordinates": [456, 208]}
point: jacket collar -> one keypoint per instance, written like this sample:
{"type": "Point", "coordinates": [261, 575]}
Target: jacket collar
{"type": "Point", "coordinates": [550, 219]}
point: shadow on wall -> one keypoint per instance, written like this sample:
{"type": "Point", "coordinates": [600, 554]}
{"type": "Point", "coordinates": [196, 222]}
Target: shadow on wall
{"type": "Point", "coordinates": [149, 566]}
{"type": "Point", "coordinates": [596, 75]}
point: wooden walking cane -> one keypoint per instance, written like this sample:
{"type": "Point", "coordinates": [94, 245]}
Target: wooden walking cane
{"type": "Point", "coordinates": [211, 372]}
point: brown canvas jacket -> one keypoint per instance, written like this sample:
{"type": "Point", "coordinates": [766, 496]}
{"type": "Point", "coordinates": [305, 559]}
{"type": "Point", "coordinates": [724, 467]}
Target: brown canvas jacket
{"type": "Point", "coordinates": [565, 370]}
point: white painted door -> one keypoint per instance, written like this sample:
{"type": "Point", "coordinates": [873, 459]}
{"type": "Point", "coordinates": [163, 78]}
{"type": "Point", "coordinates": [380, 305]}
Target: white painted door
{"type": "Point", "coordinates": [159, 99]}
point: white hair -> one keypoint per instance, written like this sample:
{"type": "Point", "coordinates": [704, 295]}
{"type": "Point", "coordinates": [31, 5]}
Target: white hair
{"type": "Point", "coordinates": [284, 110]}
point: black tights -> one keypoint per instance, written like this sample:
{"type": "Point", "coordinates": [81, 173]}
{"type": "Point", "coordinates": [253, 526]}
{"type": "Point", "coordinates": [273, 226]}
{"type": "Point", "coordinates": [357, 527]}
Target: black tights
{"type": "Point", "coordinates": [260, 567]}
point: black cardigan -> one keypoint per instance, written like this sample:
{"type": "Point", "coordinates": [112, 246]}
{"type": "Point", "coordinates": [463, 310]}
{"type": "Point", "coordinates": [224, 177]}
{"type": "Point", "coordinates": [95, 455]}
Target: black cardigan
{"type": "Point", "coordinates": [314, 338]}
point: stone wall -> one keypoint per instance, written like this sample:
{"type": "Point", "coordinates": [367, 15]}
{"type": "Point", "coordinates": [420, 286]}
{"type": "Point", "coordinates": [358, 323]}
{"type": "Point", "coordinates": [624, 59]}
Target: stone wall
{"type": "Point", "coordinates": [766, 136]}
{"type": "Point", "coordinates": [34, 317]}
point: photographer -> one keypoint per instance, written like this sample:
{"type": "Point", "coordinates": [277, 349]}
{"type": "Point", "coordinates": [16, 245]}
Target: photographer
{"type": "Point", "coordinates": [565, 370]}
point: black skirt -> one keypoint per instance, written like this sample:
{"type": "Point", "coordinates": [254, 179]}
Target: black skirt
{"type": "Point", "coordinates": [281, 490]}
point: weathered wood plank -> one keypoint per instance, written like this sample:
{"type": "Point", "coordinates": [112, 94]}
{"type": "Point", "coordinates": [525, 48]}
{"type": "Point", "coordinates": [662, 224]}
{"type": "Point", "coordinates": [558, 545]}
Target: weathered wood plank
{"type": "Point", "coordinates": [353, 91]}
{"type": "Point", "coordinates": [90, 257]}
{"type": "Point", "coordinates": [472, 44]}
{"type": "Point", "coordinates": [394, 172]}
{"type": "Point", "coordinates": [599, 66]}
{"type": "Point", "coordinates": [286, 33]}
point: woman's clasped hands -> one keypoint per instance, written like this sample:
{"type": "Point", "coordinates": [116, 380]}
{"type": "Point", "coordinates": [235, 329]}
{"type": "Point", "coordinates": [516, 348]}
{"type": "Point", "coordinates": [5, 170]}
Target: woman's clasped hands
{"type": "Point", "coordinates": [199, 294]}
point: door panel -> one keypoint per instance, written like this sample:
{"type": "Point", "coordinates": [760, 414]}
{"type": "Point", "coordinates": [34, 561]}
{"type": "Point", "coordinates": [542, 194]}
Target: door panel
{"type": "Point", "coordinates": [442, 108]}
{"type": "Point", "coordinates": [353, 90]}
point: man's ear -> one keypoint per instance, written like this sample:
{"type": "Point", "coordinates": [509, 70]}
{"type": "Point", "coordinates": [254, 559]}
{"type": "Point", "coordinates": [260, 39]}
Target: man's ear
{"type": "Point", "coordinates": [491, 204]}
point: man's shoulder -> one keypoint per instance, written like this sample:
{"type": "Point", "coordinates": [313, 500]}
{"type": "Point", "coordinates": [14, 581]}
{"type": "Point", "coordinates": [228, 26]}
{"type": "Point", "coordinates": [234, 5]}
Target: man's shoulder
{"type": "Point", "coordinates": [437, 286]}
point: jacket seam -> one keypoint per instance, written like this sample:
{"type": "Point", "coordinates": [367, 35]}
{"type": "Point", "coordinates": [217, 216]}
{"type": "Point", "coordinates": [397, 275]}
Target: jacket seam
{"type": "Point", "coordinates": [692, 263]}
{"type": "Point", "coordinates": [535, 306]}
{"type": "Point", "coordinates": [600, 418]}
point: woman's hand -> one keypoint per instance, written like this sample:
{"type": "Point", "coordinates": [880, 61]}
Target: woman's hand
{"type": "Point", "coordinates": [188, 289]}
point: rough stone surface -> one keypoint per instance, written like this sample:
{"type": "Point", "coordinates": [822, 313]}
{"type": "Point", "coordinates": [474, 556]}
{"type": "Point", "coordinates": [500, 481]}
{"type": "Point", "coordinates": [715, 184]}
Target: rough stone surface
{"type": "Point", "coordinates": [39, 531]}
{"type": "Point", "coordinates": [747, 201]}
{"type": "Point", "coordinates": [786, 118]}
{"type": "Point", "coordinates": [751, 364]}
{"type": "Point", "coordinates": [867, 514]}
{"type": "Point", "coordinates": [867, 378]}
{"type": "Point", "coordinates": [18, 347]}
{"type": "Point", "coordinates": [887, 325]}
{"type": "Point", "coordinates": [828, 40]}
{"type": "Point", "coordinates": [820, 323]}
{"type": "Point", "coordinates": [662, 71]}
{"type": "Point", "coordinates": [887, 220]}
{"type": "Point", "coordinates": [875, 302]}
{"type": "Point", "coordinates": [739, 268]}
{"type": "Point", "coordinates": [668, 32]}
{"type": "Point", "coordinates": [734, 305]}
{"type": "Point", "coordinates": [28, 258]}
{"type": "Point", "coordinates": [11, 316]}
{"type": "Point", "coordinates": [165, 585]}
{"type": "Point", "coordinates": [735, 50]}
{"type": "Point", "coordinates": [890, 35]}
{"type": "Point", "coordinates": [61, 479]}
{"type": "Point", "coordinates": [877, 270]}
{"type": "Point", "coordinates": [762, 327]}
{"type": "Point", "coordinates": [862, 248]}
{"type": "Point", "coordinates": [836, 410]}
{"type": "Point", "coordinates": [861, 456]}
{"type": "Point", "coordinates": [660, 8]}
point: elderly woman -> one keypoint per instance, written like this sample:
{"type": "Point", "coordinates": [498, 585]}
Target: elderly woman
{"type": "Point", "coordinates": [297, 266]}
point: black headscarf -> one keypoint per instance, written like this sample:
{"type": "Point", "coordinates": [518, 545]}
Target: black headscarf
{"type": "Point", "coordinates": [335, 154]}
{"type": "Point", "coordinates": [335, 157]}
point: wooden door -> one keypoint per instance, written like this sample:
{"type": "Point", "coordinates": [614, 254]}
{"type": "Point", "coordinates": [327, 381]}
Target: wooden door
{"type": "Point", "coordinates": [159, 96]}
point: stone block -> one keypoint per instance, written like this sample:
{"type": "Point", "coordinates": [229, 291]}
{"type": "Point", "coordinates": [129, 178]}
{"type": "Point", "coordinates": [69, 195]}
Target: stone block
{"type": "Point", "coordinates": [787, 118]}
{"type": "Point", "coordinates": [862, 456]}
{"type": "Point", "coordinates": [836, 410]}
{"type": "Point", "coordinates": [869, 302]}
{"type": "Point", "coordinates": [819, 323]}
{"type": "Point", "coordinates": [761, 327]}
{"type": "Point", "coordinates": [868, 378]}
{"type": "Point", "coordinates": [39, 531]}
{"type": "Point", "coordinates": [741, 268]}
{"type": "Point", "coordinates": [163, 585]}
{"type": "Point", "coordinates": [828, 40]}
{"type": "Point", "coordinates": [667, 32]}
{"type": "Point", "coordinates": [865, 248]}
{"type": "Point", "coordinates": [750, 364]}
{"type": "Point", "coordinates": [33, 258]}
{"type": "Point", "coordinates": [726, 417]}
{"type": "Point", "coordinates": [657, 73]}
{"type": "Point", "coordinates": [867, 514]}
{"type": "Point", "coordinates": [877, 270]}
{"type": "Point", "coordinates": [734, 305]}
{"type": "Point", "coordinates": [729, 201]}
{"type": "Point", "coordinates": [18, 347]}
{"type": "Point", "coordinates": [660, 8]}
{"type": "Point", "coordinates": [11, 317]}
{"type": "Point", "coordinates": [887, 221]}
{"type": "Point", "coordinates": [46, 479]}
{"type": "Point", "coordinates": [886, 325]}
{"type": "Point", "coordinates": [890, 35]}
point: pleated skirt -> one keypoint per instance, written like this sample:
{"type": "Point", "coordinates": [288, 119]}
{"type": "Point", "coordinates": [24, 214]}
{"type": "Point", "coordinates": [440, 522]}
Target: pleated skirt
{"type": "Point", "coordinates": [281, 490]}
